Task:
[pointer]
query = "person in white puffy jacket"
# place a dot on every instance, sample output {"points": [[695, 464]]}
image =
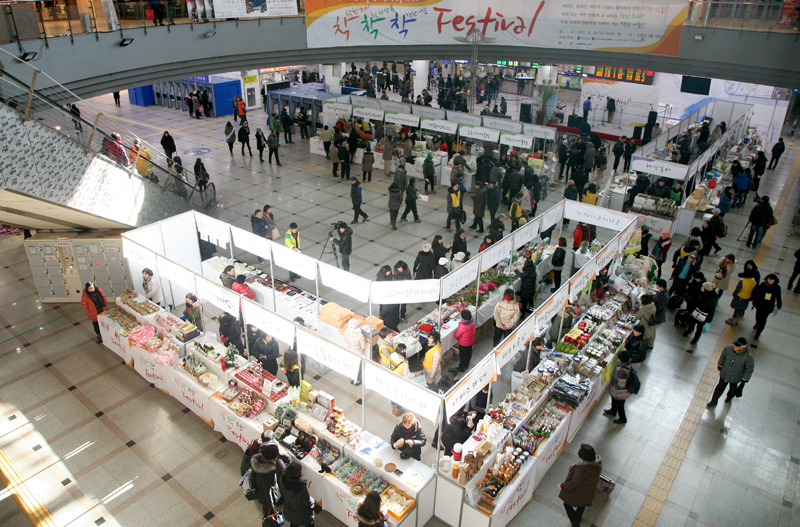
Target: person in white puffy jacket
{"points": [[355, 342]]}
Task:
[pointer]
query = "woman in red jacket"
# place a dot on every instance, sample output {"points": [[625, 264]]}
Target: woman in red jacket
{"points": [[465, 335], [94, 303], [242, 288]]}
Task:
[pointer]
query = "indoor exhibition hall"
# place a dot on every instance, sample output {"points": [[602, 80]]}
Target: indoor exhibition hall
{"points": [[399, 264]]}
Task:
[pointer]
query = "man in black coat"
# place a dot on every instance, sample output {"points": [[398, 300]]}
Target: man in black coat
{"points": [[493, 200], [777, 152], [528, 285], [760, 220], [618, 151], [630, 148], [570, 193], [478, 205], [344, 243], [563, 159]]}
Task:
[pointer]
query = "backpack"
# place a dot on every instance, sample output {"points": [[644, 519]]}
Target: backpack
{"points": [[248, 485], [634, 384]]}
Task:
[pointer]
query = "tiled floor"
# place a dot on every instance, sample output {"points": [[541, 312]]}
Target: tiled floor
{"points": [[96, 444]]}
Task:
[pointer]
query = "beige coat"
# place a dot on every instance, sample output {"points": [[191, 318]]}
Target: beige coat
{"points": [[647, 314], [506, 313], [723, 283]]}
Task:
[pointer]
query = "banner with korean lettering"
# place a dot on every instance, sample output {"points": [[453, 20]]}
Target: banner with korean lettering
{"points": [[334, 357], [344, 281], [396, 107], [497, 252], [553, 215], [516, 140], [267, 321], [608, 253], [457, 280], [625, 237], [479, 133], [597, 216], [622, 25], [406, 393], [254, 244], [581, 279], [402, 119], [290, 259], [549, 309], [406, 292], [175, 273], [526, 233], [223, 298], [463, 118], [504, 125], [481, 375], [212, 230], [438, 125], [659, 168], [515, 343], [253, 8], [539, 131], [430, 113], [362, 112]]}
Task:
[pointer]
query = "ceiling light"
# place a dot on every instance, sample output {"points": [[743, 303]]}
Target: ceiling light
{"points": [[125, 42]]}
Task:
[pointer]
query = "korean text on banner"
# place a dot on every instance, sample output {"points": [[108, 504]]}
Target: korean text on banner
{"points": [[175, 273], [337, 109], [496, 253], [403, 119], [625, 237], [549, 309], [406, 393], [608, 253], [396, 107], [223, 298], [552, 216], [368, 113], [299, 263], [438, 125], [480, 133], [502, 124], [132, 251], [539, 132], [460, 278], [365, 102], [345, 282], [334, 23], [526, 233], [405, 292], [515, 343], [481, 375], [431, 113], [582, 278], [212, 230], [336, 358], [659, 168], [247, 241], [463, 118], [598, 216], [268, 321], [516, 140]]}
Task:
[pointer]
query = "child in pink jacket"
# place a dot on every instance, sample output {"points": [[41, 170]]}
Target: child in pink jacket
{"points": [[465, 335]]}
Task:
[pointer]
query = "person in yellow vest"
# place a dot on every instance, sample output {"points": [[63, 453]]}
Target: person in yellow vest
{"points": [[432, 362], [454, 206], [591, 195], [385, 347], [741, 296], [515, 211], [292, 241]]}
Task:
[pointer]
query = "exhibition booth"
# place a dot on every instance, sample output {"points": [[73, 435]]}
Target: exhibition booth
{"points": [[512, 447]]}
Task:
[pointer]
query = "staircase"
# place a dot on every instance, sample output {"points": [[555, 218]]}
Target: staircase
{"points": [[75, 168]]}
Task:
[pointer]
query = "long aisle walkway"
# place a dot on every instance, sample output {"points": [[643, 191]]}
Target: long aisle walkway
{"points": [[89, 442]]}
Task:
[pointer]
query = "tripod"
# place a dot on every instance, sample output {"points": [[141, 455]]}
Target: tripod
{"points": [[740, 235], [332, 249]]}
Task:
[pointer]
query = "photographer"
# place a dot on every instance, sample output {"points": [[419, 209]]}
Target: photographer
{"points": [[344, 243]]}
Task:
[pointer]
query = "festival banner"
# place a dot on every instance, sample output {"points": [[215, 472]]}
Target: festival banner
{"points": [[622, 25], [253, 8]]}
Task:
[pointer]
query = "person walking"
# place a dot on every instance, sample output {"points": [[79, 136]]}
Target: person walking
{"points": [[722, 276], [333, 152], [766, 297], [93, 302], [493, 199], [287, 123], [168, 144], [478, 206], [344, 160], [705, 305], [777, 151], [356, 199], [759, 167], [242, 108], [430, 175], [761, 218], [244, 137], [454, 207], [298, 505], [795, 273], [618, 151], [661, 250], [506, 316], [366, 164], [395, 200], [326, 136], [273, 142], [261, 143], [388, 155], [630, 148], [117, 100], [577, 491], [230, 136], [741, 296], [411, 201], [619, 388], [259, 226], [292, 240], [741, 184], [735, 365]]}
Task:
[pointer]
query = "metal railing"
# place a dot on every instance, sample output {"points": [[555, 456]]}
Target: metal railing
{"points": [[32, 20], [766, 15], [38, 97]]}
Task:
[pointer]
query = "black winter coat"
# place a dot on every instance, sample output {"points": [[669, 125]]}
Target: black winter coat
{"points": [[528, 280], [345, 241], [459, 246], [637, 347], [267, 475], [267, 353], [759, 298], [417, 437], [423, 265], [298, 505], [761, 215], [707, 303], [479, 201], [456, 431], [493, 198], [571, 192], [232, 333]]}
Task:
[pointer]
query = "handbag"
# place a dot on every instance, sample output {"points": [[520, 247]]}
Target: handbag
{"points": [[275, 233], [273, 520], [699, 315], [720, 274]]}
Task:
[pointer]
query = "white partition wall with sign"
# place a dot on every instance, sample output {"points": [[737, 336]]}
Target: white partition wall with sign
{"points": [[330, 362]]}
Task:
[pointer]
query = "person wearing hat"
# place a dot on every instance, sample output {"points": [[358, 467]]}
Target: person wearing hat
{"points": [[619, 388], [735, 367], [268, 467], [705, 305], [765, 298], [457, 261], [424, 263], [441, 269], [356, 200], [577, 491], [685, 268], [344, 243]]}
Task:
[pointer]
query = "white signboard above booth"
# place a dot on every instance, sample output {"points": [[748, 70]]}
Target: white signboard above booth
{"points": [[335, 110], [403, 119], [345, 282], [505, 125], [335, 357], [223, 298], [659, 168], [360, 100], [396, 107], [405, 292], [268, 321], [478, 132], [437, 125], [362, 112], [414, 397], [175, 273], [457, 280], [212, 230], [464, 118], [516, 140], [539, 132], [427, 111], [495, 253], [298, 263], [597, 216], [247, 241]]}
